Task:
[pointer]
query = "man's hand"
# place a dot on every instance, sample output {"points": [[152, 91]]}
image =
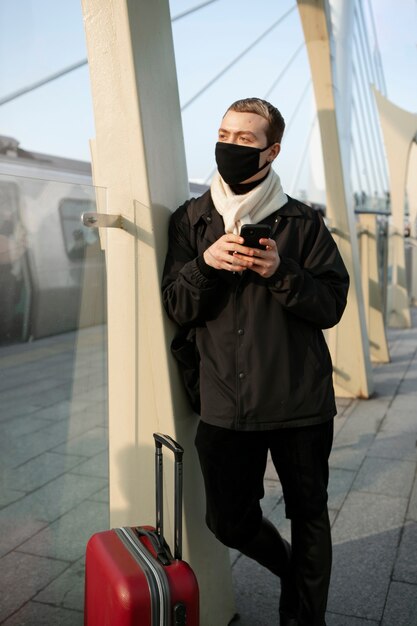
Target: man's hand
{"points": [[263, 262], [221, 254], [228, 253]]}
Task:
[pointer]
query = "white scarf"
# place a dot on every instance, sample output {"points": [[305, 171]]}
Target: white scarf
{"points": [[249, 208]]}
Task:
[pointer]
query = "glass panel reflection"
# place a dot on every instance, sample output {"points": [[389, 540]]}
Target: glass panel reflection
{"points": [[53, 395], [77, 239]]}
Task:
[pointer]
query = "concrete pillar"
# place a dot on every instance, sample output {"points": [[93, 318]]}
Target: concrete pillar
{"points": [[348, 342], [412, 205], [138, 155], [371, 288], [399, 128]]}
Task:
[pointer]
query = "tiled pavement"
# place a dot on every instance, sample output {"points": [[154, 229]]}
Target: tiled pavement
{"points": [[53, 474], [53, 490]]}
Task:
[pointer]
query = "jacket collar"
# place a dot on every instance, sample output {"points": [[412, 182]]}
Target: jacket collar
{"points": [[203, 207]]}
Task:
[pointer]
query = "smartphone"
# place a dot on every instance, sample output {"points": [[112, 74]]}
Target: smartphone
{"points": [[252, 233]]}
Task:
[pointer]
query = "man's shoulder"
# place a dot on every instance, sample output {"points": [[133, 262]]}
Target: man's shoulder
{"points": [[296, 208], [194, 208]]}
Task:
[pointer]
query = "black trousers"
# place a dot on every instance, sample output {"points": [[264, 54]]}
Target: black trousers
{"points": [[233, 464]]}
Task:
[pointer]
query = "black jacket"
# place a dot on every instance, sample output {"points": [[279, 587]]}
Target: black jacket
{"points": [[264, 361]]}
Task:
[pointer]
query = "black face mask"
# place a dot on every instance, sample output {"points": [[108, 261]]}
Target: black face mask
{"points": [[238, 163]]}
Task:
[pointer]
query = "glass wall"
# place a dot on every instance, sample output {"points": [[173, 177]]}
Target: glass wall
{"points": [[53, 396]]}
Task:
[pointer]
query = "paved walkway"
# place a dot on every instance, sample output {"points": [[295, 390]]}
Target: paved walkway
{"points": [[54, 474], [53, 490]]}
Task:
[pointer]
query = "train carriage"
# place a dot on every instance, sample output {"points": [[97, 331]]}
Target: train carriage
{"points": [[46, 254]]}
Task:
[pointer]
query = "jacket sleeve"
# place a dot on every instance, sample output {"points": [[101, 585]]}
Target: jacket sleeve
{"points": [[188, 283], [317, 289]]}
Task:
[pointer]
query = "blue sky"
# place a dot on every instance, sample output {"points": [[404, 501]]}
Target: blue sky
{"points": [[39, 37]]}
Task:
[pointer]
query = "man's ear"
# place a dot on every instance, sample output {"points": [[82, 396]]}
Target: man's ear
{"points": [[274, 152]]}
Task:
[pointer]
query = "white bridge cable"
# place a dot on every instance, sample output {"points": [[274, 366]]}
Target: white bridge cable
{"points": [[362, 29], [193, 10], [364, 95], [358, 187], [297, 107], [303, 157], [359, 141], [237, 59], [379, 70], [361, 146], [78, 64], [284, 71], [363, 132], [42, 82], [371, 78]]}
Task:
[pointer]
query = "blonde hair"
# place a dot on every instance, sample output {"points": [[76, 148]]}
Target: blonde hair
{"points": [[276, 123]]}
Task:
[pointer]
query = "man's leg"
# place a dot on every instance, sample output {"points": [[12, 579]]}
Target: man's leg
{"points": [[233, 465], [300, 456], [272, 551], [312, 557]]}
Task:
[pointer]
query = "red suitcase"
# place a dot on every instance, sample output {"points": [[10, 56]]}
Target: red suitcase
{"points": [[131, 577]]}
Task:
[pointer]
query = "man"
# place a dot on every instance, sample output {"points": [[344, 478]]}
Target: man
{"points": [[265, 371]]}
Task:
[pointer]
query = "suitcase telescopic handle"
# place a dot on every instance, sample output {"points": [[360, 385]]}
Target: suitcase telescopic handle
{"points": [[160, 441]]}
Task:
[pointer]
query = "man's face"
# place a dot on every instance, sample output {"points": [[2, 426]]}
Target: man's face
{"points": [[248, 129], [245, 129]]}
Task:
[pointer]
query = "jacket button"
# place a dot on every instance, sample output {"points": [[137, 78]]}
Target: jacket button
{"points": [[209, 219], [240, 331], [241, 375]]}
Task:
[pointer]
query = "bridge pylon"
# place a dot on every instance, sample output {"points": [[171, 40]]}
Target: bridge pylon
{"points": [[348, 342], [399, 128]]}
